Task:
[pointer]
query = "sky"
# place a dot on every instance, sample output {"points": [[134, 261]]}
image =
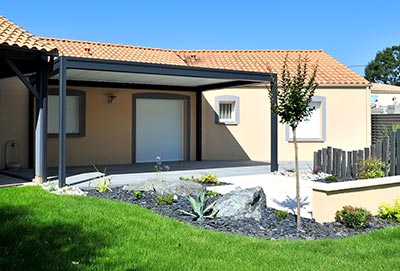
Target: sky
{"points": [[351, 31]]}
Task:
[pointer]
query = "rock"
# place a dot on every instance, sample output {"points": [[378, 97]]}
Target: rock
{"points": [[241, 204], [175, 187]]}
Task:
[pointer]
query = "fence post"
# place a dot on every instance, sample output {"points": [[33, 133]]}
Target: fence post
{"points": [[338, 171], [366, 153], [355, 164], [329, 162], [392, 153], [343, 171], [379, 150], [373, 151], [324, 160], [349, 165], [385, 142], [398, 152]]}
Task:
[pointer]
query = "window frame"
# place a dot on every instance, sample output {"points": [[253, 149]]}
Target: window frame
{"points": [[227, 99], [322, 133], [82, 111]]}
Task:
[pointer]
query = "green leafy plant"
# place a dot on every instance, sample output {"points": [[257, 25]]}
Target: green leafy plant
{"points": [[290, 170], [138, 194], [210, 178], [371, 168], [390, 212], [281, 215], [199, 208], [290, 100], [332, 179], [102, 182], [165, 200], [353, 217], [211, 194]]}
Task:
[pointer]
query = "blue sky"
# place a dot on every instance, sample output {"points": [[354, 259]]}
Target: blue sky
{"points": [[351, 31]]}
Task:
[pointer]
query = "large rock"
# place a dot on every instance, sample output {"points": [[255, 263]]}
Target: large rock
{"points": [[244, 203], [175, 187]]}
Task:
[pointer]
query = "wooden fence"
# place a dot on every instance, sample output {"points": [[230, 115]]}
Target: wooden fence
{"points": [[344, 164]]}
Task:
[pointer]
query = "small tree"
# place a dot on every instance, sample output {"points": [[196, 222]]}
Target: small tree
{"points": [[294, 95]]}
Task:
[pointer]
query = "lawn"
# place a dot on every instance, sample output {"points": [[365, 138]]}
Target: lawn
{"points": [[42, 231]]}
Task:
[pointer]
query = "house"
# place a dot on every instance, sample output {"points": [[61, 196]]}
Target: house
{"points": [[124, 104], [385, 112]]}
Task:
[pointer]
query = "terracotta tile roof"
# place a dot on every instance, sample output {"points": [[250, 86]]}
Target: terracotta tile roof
{"points": [[15, 36], [383, 87], [97, 50], [330, 71]]}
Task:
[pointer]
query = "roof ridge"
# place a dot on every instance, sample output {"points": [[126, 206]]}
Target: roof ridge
{"points": [[104, 44], [248, 50]]}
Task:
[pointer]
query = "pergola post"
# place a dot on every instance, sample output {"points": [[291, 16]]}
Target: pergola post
{"points": [[41, 124], [62, 128], [199, 126], [274, 130]]}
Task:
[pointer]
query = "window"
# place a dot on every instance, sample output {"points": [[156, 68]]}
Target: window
{"points": [[75, 111], [227, 109], [313, 129]]}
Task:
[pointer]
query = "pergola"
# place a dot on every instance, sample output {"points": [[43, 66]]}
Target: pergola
{"points": [[34, 58], [135, 75]]}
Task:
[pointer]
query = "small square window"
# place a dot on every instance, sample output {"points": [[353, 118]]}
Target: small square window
{"points": [[227, 109]]}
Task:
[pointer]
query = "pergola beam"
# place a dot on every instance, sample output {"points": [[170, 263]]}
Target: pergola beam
{"points": [[21, 77]]}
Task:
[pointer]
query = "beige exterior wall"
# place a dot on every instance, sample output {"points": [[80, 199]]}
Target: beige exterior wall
{"points": [[369, 194], [108, 137], [14, 118], [347, 125], [109, 127]]}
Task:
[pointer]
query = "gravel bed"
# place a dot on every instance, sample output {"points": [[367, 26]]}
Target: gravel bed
{"points": [[268, 227]]}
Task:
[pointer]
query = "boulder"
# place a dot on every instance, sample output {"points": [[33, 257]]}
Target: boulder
{"points": [[175, 187], [243, 203]]}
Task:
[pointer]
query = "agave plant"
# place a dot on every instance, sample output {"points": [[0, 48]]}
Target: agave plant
{"points": [[199, 208]]}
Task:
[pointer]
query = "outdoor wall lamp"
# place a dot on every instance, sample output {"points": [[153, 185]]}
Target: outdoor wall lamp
{"points": [[111, 99]]}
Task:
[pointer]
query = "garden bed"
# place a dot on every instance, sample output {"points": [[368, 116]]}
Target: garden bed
{"points": [[268, 228]]}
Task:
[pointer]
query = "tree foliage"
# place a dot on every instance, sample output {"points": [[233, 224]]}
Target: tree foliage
{"points": [[293, 98], [295, 93], [385, 68]]}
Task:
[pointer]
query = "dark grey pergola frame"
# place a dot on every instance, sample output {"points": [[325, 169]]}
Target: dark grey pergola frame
{"points": [[19, 61], [236, 78]]}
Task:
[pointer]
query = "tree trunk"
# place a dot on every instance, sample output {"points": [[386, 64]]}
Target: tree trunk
{"points": [[296, 163]]}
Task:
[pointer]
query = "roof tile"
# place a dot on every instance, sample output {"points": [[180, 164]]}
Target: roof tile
{"points": [[15, 36]]}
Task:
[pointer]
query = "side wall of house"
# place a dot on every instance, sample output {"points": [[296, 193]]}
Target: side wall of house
{"points": [[108, 138], [347, 125], [14, 118]]}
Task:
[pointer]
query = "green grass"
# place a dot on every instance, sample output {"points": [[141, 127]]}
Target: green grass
{"points": [[42, 231]]}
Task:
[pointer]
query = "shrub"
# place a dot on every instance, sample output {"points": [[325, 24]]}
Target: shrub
{"points": [[391, 212], [165, 200], [281, 215], [332, 179], [353, 217], [211, 194], [371, 168], [210, 178], [102, 182], [138, 194], [199, 208], [290, 170]]}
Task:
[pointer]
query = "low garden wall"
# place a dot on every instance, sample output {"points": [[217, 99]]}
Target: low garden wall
{"points": [[369, 194]]}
